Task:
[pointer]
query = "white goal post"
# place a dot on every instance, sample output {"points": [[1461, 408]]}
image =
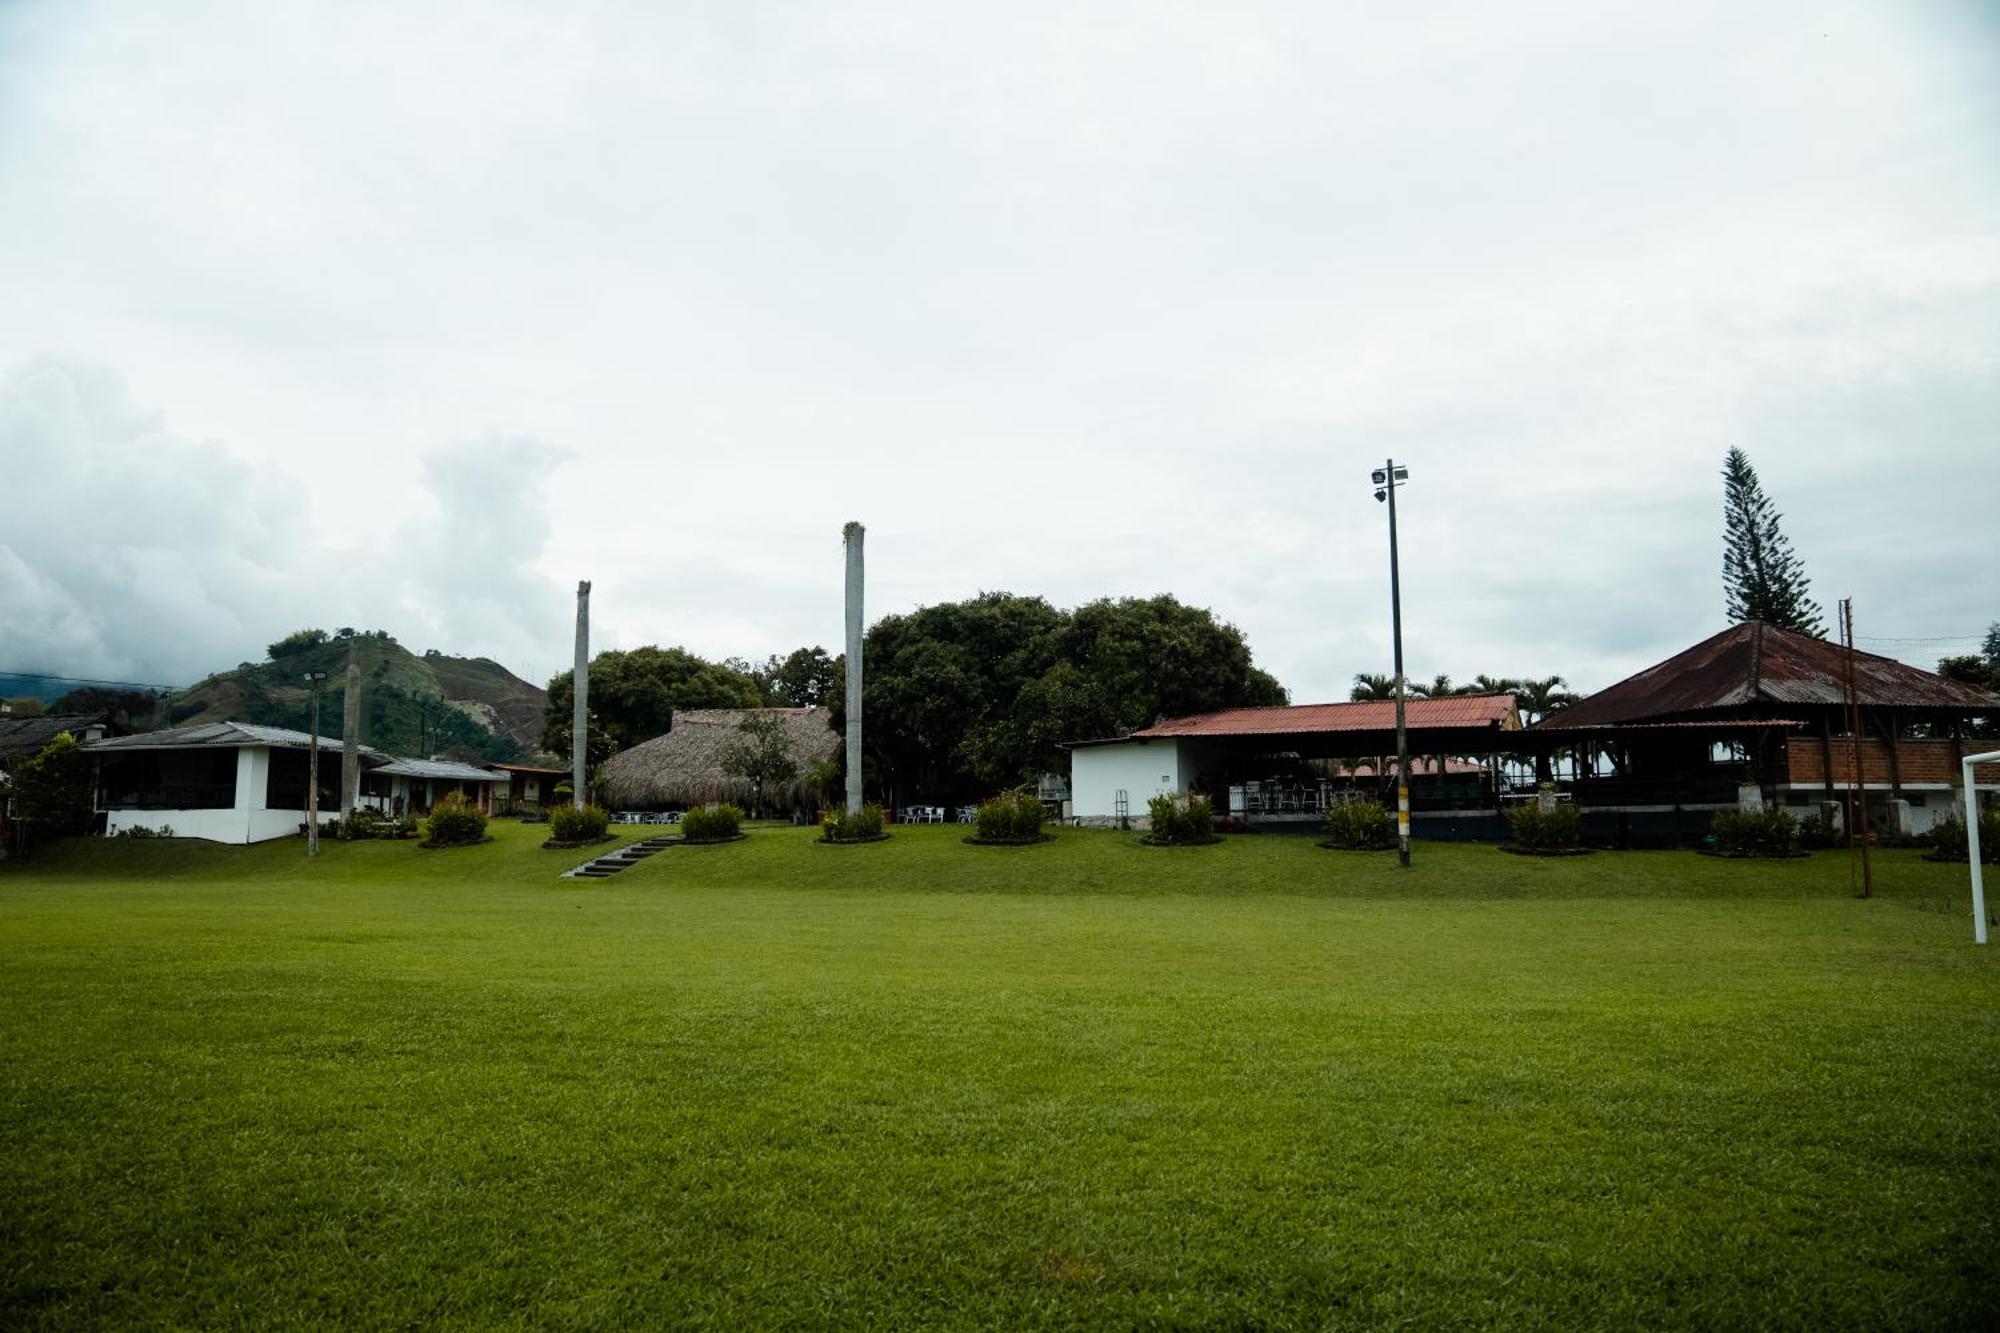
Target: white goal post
{"points": [[1972, 843]]}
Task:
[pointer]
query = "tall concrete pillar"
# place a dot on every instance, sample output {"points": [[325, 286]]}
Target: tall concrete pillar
{"points": [[579, 736], [350, 739], [853, 533]]}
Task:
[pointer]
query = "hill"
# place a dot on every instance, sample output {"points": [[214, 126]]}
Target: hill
{"points": [[464, 707]]}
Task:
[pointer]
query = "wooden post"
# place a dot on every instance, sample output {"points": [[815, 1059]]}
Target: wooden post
{"points": [[350, 739], [579, 736], [852, 534]]}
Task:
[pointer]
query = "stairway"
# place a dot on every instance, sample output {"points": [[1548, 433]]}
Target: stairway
{"points": [[609, 864]]}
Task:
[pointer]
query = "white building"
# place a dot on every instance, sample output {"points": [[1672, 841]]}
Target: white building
{"points": [[234, 782], [413, 786]]}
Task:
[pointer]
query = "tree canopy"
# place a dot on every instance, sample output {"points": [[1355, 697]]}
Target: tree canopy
{"points": [[1761, 578], [634, 695], [968, 696]]}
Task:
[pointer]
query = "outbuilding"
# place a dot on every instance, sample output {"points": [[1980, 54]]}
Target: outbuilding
{"points": [[235, 782]]}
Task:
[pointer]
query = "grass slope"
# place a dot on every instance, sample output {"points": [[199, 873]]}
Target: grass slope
{"points": [[1083, 1084]]}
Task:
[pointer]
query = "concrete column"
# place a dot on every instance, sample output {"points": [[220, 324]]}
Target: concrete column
{"points": [[853, 534], [350, 739], [579, 737]]}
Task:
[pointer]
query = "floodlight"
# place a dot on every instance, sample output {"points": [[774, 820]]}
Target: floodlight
{"points": [[1381, 495], [1378, 476]]}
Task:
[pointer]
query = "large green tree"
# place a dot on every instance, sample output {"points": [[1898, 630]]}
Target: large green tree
{"points": [[968, 696], [1761, 578], [634, 695], [52, 791]]}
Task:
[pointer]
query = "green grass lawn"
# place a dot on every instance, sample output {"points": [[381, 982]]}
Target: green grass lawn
{"points": [[1082, 1084]]}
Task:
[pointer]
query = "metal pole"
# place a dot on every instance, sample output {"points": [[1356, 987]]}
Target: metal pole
{"points": [[1402, 735], [1972, 845], [312, 780], [579, 733], [852, 536], [1860, 806]]}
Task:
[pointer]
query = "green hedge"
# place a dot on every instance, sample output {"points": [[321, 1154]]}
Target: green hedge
{"points": [[1012, 816], [1181, 821], [1770, 832], [863, 825], [569, 824], [1950, 840], [1556, 829], [454, 822], [712, 823], [1359, 825]]}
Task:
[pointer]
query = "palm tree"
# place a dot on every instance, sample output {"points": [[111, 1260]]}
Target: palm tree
{"points": [[1485, 684], [1538, 699], [1372, 687], [1439, 687]]}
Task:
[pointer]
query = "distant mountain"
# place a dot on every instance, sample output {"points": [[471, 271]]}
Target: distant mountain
{"points": [[462, 707]]}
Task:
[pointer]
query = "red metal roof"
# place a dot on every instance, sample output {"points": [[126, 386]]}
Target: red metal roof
{"points": [[1456, 712], [1753, 665]]}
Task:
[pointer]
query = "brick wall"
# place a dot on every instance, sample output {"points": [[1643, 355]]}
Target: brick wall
{"points": [[1919, 761]]}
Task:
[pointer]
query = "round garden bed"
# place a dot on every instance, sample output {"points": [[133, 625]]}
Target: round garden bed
{"points": [[705, 842], [852, 842], [1518, 850], [553, 845], [430, 846], [976, 841], [1796, 854], [1209, 841], [1343, 847]]}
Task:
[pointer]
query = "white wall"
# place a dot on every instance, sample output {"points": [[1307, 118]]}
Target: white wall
{"points": [[1143, 769], [248, 822]]}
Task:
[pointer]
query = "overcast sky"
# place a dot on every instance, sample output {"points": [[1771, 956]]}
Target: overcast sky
{"points": [[409, 316]]}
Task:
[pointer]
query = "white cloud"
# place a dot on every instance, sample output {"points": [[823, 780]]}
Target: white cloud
{"points": [[1115, 300]]}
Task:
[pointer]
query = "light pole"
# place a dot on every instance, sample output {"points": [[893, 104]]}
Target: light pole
{"points": [[1387, 478], [315, 679]]}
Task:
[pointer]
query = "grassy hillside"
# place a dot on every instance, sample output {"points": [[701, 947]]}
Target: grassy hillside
{"points": [[466, 707]]}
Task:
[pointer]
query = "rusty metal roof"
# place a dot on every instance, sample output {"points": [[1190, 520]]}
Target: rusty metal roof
{"points": [[1751, 666], [1456, 712]]}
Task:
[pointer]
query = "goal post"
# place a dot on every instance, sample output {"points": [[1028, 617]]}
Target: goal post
{"points": [[1972, 843]]}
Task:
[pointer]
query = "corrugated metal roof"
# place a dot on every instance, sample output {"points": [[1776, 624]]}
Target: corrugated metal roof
{"points": [[223, 735], [1751, 665], [443, 769], [23, 737], [1453, 712], [1557, 724]]}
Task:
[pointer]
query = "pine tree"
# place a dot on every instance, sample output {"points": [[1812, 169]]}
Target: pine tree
{"points": [[1761, 578]]}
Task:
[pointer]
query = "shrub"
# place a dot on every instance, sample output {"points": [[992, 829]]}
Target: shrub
{"points": [[1359, 826], [141, 831], [1181, 821], [454, 822], [712, 823], [362, 822], [1759, 832], [1950, 840], [1012, 816], [1819, 829], [861, 826], [569, 824], [1556, 829]]}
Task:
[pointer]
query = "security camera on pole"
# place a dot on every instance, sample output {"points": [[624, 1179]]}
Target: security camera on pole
{"points": [[1387, 478]]}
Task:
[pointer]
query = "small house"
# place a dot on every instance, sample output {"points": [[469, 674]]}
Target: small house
{"points": [[235, 782]]}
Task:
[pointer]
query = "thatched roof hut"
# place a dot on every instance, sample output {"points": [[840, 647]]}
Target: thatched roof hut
{"points": [[684, 767]]}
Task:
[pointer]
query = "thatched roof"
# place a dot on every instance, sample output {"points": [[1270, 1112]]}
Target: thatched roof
{"points": [[684, 767]]}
